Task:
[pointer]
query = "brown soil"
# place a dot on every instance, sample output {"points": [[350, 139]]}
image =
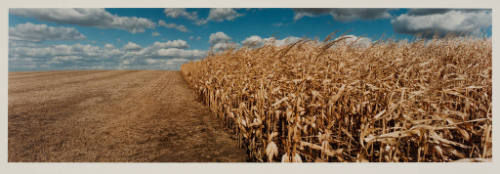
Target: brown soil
{"points": [[112, 116]]}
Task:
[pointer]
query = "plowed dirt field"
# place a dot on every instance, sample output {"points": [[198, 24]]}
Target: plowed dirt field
{"points": [[112, 116]]}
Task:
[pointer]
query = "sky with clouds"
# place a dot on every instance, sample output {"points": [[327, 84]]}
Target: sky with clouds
{"points": [[86, 39]]}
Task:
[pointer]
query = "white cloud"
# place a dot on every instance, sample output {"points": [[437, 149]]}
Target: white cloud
{"points": [[432, 23], [173, 64], [109, 46], [164, 58], [167, 55], [171, 44], [95, 17], [429, 11], [62, 56], [181, 27], [218, 37], [284, 41], [131, 46], [62, 52], [41, 32], [225, 46], [343, 14], [180, 12], [154, 34], [253, 41], [215, 14], [219, 41], [176, 52], [221, 14], [20, 43], [257, 41], [62, 59]]}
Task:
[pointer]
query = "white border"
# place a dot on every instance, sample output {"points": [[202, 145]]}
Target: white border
{"points": [[241, 167]]}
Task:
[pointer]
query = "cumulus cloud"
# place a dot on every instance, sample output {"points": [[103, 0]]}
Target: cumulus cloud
{"points": [[179, 27], [167, 55], [109, 46], [131, 46], [215, 14], [253, 42], [154, 34], [221, 14], [153, 51], [441, 22], [257, 41], [42, 32], [56, 50], [94, 17], [171, 44], [429, 11], [83, 56], [173, 63], [220, 41], [225, 46], [218, 37], [180, 12], [176, 52], [343, 14], [159, 55]]}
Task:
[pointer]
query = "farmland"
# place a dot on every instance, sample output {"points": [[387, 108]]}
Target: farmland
{"points": [[333, 101], [309, 101], [112, 116]]}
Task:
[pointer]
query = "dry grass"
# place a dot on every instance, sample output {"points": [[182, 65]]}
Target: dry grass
{"points": [[391, 102]]}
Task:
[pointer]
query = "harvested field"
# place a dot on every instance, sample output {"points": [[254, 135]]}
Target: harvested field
{"points": [[425, 101], [112, 116]]}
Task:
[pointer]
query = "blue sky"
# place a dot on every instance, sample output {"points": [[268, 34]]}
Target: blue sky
{"points": [[125, 38]]}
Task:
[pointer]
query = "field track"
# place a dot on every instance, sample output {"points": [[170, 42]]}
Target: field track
{"points": [[112, 116]]}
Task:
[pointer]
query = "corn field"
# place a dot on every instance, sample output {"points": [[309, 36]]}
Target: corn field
{"points": [[332, 101]]}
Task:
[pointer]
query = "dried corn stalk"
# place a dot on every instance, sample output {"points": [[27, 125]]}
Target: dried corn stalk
{"points": [[393, 101]]}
